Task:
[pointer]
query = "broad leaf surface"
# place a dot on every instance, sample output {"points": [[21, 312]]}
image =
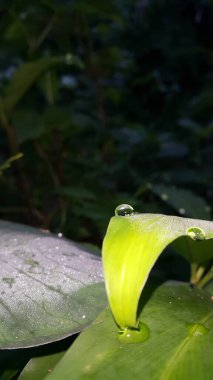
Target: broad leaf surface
{"points": [[39, 367], [131, 247], [171, 353], [50, 287], [209, 288]]}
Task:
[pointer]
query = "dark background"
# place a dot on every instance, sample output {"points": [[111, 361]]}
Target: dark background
{"points": [[109, 102]]}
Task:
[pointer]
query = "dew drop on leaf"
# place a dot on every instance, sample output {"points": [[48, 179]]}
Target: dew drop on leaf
{"points": [[196, 329], [124, 210], [134, 335], [196, 233]]}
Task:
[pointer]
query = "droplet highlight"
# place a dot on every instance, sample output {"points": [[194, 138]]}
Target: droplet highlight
{"points": [[196, 233], [182, 211], [196, 329], [164, 196], [134, 335], [124, 210]]}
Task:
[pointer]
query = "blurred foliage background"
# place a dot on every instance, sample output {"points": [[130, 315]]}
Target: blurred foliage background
{"points": [[104, 103]]}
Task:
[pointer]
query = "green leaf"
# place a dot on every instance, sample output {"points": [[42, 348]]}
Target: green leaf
{"points": [[39, 367], [185, 202], [179, 347], [28, 125], [6, 165], [23, 78], [50, 287], [131, 247], [209, 287]]}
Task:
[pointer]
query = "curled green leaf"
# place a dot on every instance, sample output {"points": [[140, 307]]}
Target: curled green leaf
{"points": [[133, 243]]}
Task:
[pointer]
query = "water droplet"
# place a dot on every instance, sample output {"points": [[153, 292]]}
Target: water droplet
{"points": [[124, 210], [182, 211], [196, 329], [196, 233], [68, 58], [164, 196], [134, 335], [207, 208]]}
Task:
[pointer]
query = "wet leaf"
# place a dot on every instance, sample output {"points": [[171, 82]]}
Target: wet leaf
{"points": [[50, 287], [131, 247], [179, 347]]}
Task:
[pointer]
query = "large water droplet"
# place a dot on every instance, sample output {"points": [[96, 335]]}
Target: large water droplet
{"points": [[124, 210], [196, 233], [196, 329], [134, 335]]}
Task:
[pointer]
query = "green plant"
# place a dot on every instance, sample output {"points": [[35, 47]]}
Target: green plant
{"points": [[106, 106], [58, 288], [6, 165]]}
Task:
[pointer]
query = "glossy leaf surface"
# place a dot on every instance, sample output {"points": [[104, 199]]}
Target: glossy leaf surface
{"points": [[50, 287], [131, 247], [179, 347]]}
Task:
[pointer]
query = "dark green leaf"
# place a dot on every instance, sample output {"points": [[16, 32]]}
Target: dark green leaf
{"points": [[23, 78], [185, 202], [11, 362], [39, 367], [28, 125]]}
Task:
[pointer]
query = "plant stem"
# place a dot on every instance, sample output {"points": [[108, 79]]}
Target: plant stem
{"points": [[23, 185], [208, 277], [197, 272], [194, 267]]}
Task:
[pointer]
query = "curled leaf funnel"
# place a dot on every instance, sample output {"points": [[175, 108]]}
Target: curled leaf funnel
{"points": [[133, 243]]}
